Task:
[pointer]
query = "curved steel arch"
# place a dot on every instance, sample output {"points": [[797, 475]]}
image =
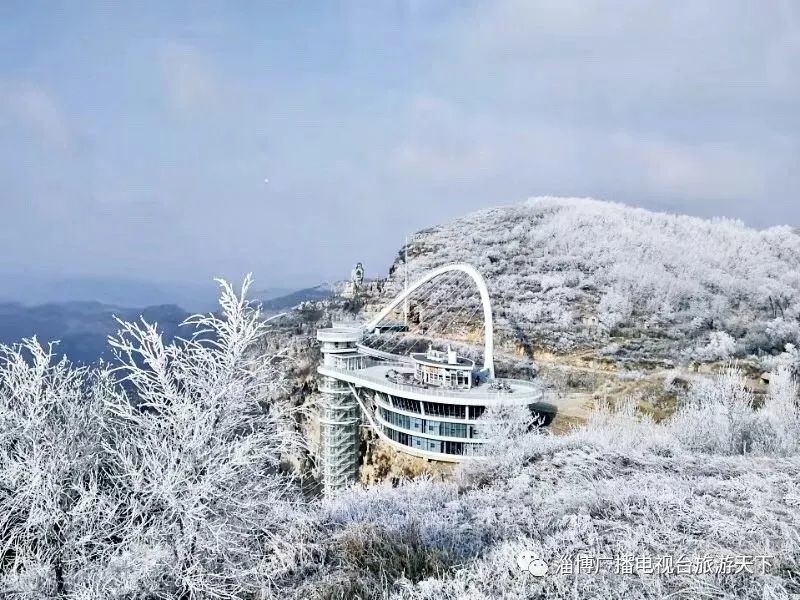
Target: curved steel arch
{"points": [[488, 327]]}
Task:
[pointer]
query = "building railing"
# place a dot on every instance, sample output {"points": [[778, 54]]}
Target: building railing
{"points": [[472, 394]]}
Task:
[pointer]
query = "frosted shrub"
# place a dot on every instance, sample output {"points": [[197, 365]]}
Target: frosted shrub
{"points": [[789, 359], [614, 309], [56, 514], [720, 346], [670, 378], [718, 415], [621, 428], [552, 281], [780, 416], [159, 479], [513, 432], [779, 332], [538, 311], [503, 426], [200, 450], [610, 349]]}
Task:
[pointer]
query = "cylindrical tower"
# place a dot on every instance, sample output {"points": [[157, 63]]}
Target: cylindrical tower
{"points": [[339, 413]]}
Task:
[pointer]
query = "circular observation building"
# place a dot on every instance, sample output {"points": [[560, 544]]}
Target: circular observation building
{"points": [[427, 405]]}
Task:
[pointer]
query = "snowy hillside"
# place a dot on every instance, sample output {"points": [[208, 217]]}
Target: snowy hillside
{"points": [[186, 494], [569, 273]]}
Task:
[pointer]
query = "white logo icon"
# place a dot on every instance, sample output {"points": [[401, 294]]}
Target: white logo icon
{"points": [[530, 561]]}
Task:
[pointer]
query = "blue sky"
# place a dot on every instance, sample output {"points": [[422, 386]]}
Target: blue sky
{"points": [[135, 140]]}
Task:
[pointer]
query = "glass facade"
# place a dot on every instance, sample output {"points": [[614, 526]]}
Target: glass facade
{"points": [[475, 412], [406, 404], [352, 361], [402, 421], [427, 445], [425, 427], [421, 443], [443, 428], [439, 409]]}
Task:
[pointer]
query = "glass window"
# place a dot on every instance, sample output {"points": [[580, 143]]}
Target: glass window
{"points": [[445, 410], [475, 412], [406, 404]]}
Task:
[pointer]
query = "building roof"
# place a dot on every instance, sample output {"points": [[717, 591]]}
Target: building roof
{"points": [[339, 334], [460, 364], [522, 392]]}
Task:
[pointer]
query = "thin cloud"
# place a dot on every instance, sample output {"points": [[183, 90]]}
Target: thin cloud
{"points": [[192, 86], [36, 111], [384, 120], [704, 171], [649, 100]]}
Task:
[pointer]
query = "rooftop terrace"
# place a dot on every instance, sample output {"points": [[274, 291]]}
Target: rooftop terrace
{"points": [[375, 377]]}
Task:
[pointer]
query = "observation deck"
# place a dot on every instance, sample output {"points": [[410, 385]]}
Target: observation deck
{"points": [[375, 377], [427, 404], [429, 408]]}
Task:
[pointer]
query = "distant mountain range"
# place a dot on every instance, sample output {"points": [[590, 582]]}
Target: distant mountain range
{"points": [[36, 288], [320, 292], [81, 328]]}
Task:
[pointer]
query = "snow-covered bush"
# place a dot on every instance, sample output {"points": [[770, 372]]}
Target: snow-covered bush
{"points": [[720, 346], [614, 309], [621, 428], [57, 512], [160, 478], [718, 415], [200, 449], [780, 416], [789, 359], [780, 332], [504, 425]]}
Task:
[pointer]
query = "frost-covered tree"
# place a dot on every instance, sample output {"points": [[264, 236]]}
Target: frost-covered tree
{"points": [[780, 416], [502, 425], [720, 346], [197, 443], [58, 508], [789, 359], [718, 415], [614, 309], [160, 478]]}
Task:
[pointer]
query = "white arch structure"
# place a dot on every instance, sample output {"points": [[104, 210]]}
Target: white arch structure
{"points": [[488, 327]]}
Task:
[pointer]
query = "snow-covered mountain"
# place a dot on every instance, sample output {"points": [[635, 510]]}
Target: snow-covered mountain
{"points": [[571, 273]]}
